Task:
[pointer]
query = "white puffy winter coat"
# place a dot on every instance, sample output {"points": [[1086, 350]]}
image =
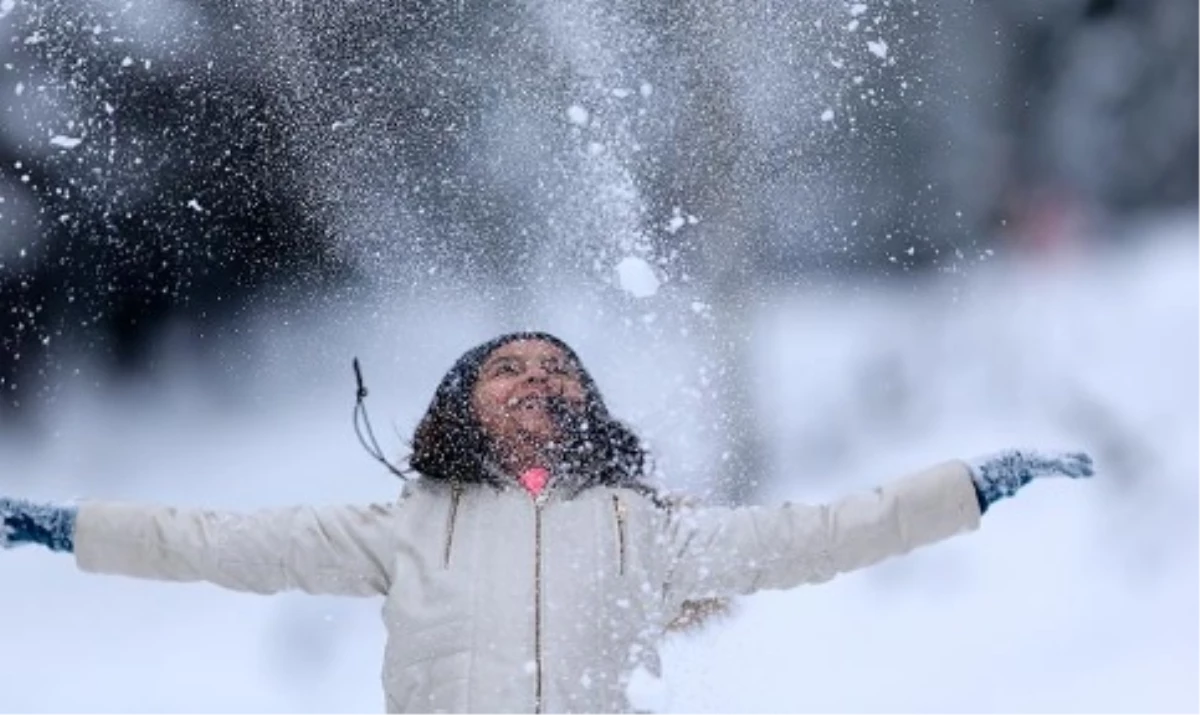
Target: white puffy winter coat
{"points": [[496, 602]]}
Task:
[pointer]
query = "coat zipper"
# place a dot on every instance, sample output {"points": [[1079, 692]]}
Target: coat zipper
{"points": [[619, 514], [537, 603], [455, 494]]}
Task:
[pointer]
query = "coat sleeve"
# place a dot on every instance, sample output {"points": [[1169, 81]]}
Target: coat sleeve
{"points": [[720, 552], [330, 550]]}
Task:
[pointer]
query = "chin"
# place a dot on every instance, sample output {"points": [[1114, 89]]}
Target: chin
{"points": [[540, 431]]}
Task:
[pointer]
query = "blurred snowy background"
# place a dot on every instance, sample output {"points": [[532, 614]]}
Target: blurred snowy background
{"points": [[804, 246]]}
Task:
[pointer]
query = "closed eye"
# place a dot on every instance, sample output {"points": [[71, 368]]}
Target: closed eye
{"points": [[505, 368], [556, 367]]}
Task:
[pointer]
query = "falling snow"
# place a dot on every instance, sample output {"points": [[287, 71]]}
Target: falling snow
{"points": [[205, 211], [65, 142]]}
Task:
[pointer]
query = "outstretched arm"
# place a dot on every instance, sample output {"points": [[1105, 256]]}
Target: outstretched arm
{"points": [[722, 551], [332, 550]]}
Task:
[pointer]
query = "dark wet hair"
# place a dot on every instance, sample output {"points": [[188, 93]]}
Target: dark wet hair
{"points": [[450, 444]]}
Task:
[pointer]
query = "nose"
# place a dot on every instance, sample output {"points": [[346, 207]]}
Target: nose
{"points": [[537, 373]]}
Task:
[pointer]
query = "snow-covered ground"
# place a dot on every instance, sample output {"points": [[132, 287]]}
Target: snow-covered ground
{"points": [[1078, 597], [1072, 597]]}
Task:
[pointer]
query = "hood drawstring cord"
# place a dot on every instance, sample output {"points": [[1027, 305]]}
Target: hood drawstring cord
{"points": [[360, 412]]}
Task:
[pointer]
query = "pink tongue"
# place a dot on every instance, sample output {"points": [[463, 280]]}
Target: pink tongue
{"points": [[534, 479]]}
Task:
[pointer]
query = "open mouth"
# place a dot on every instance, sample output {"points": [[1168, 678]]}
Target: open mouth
{"points": [[530, 402]]}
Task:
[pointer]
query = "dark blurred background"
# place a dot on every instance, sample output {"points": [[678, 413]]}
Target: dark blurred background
{"points": [[178, 163]]}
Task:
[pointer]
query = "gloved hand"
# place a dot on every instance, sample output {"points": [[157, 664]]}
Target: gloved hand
{"points": [[23, 522], [1000, 475]]}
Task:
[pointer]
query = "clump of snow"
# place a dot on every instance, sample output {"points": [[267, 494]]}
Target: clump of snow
{"points": [[577, 115], [678, 220], [879, 48], [636, 277], [65, 142]]}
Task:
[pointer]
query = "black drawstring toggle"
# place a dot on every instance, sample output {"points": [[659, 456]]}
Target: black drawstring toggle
{"points": [[366, 436], [362, 389]]}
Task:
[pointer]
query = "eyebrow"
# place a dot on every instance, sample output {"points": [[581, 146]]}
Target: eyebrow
{"points": [[496, 359], [552, 359]]}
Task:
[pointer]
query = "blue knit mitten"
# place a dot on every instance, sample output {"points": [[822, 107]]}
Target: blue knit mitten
{"points": [[23, 522], [1000, 475]]}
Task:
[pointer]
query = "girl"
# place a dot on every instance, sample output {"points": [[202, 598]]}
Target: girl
{"points": [[529, 567]]}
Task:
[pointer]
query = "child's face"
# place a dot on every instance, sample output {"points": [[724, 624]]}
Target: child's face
{"points": [[514, 386]]}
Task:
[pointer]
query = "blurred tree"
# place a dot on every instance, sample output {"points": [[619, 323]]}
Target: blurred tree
{"points": [[162, 189], [1097, 100]]}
